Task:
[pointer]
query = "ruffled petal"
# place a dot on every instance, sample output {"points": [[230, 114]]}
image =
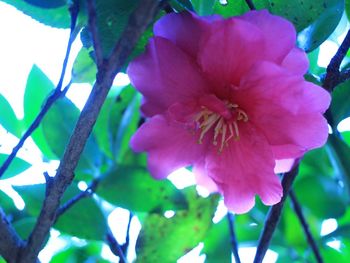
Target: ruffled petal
{"points": [[169, 146], [228, 52], [279, 33], [287, 109], [184, 30], [284, 165], [164, 74], [244, 169], [296, 61], [202, 177]]}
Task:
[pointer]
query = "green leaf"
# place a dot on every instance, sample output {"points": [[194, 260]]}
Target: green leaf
{"points": [[203, 7], [317, 32], [130, 186], [341, 231], [89, 253], [83, 220], [184, 3], [24, 226], [55, 17], [58, 125], [8, 118], [37, 90], [333, 255], [340, 106], [170, 238], [47, 3], [217, 243], [315, 190], [84, 68], [7, 204], [17, 166], [339, 153], [112, 17]]}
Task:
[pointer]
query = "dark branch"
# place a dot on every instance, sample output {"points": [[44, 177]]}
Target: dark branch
{"points": [[9, 240], [58, 92], [250, 4], [115, 247], [333, 75], [274, 215], [138, 22], [234, 243], [94, 32], [310, 239]]}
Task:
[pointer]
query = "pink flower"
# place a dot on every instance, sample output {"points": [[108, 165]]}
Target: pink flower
{"points": [[227, 97]]}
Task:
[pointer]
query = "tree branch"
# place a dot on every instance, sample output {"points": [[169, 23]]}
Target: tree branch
{"points": [[138, 22], [58, 92], [9, 240], [274, 215], [333, 75], [234, 243], [310, 239], [115, 247], [250, 4]]}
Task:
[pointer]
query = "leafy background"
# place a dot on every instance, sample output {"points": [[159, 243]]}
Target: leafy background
{"points": [[173, 221]]}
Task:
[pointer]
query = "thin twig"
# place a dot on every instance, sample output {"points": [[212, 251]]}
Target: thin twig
{"points": [[234, 243], [58, 92], [138, 22], [10, 242], [333, 75], [115, 247], [250, 4], [94, 32], [88, 192], [274, 215], [304, 224]]}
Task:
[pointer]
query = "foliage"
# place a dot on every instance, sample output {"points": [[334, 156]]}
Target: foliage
{"points": [[121, 177]]}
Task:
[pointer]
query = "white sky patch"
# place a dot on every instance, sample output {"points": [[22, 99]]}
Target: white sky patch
{"points": [[182, 178], [247, 255], [327, 51]]}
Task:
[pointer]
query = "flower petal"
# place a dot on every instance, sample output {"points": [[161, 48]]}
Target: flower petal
{"points": [[202, 177], [164, 75], [184, 30], [243, 169], [284, 165], [229, 51], [296, 61], [279, 33], [169, 146], [287, 109]]}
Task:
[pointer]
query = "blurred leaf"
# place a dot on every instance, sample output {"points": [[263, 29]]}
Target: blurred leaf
{"points": [[55, 17], [37, 90], [347, 8], [333, 255], [217, 243], [83, 220], [203, 7], [84, 68], [340, 106], [186, 4], [24, 226], [341, 231], [130, 186], [89, 253], [170, 238], [7, 204], [8, 118], [312, 191], [17, 166], [339, 153], [127, 127], [109, 119], [47, 3], [112, 17], [58, 126]]}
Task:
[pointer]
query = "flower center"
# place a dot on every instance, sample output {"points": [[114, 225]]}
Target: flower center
{"points": [[225, 127]]}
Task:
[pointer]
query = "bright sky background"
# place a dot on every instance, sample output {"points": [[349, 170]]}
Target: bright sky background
{"points": [[25, 42]]}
